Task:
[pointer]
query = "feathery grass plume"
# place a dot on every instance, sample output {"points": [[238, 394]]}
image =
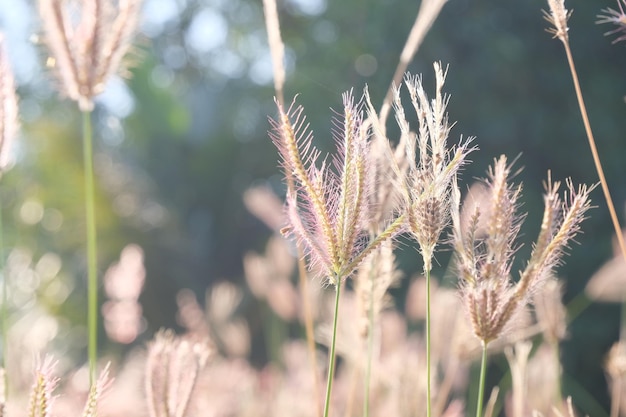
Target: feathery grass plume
{"points": [[328, 210], [172, 369], [41, 392], [429, 180], [484, 260], [558, 17], [88, 41], [96, 393], [617, 18]]}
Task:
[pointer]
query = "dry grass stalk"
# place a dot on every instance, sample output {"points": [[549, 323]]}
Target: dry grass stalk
{"points": [[277, 47], [491, 404], [428, 12], [616, 369], [88, 49], [558, 17], [484, 261]]}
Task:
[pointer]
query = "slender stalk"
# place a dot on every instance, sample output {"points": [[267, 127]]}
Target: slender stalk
{"points": [[443, 391], [5, 311], [331, 359], [351, 395], [622, 327], [594, 150], [308, 318], [92, 277], [370, 349], [428, 12], [616, 393], [481, 383], [557, 359], [428, 403], [274, 331]]}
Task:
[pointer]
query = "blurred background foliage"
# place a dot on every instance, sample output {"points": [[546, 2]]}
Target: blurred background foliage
{"points": [[179, 143]]}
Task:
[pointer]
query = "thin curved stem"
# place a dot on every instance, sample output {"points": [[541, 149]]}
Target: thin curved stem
{"points": [[557, 360], [370, 349], [308, 319], [594, 150], [5, 313], [481, 383], [331, 359], [428, 396], [92, 277]]}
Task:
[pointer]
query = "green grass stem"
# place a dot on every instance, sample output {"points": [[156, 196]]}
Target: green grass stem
{"points": [[481, 382], [331, 359], [92, 276]]}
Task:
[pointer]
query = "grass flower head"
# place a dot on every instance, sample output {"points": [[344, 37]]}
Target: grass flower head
{"points": [[432, 166], [327, 209], [87, 41], [485, 256], [558, 17]]}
